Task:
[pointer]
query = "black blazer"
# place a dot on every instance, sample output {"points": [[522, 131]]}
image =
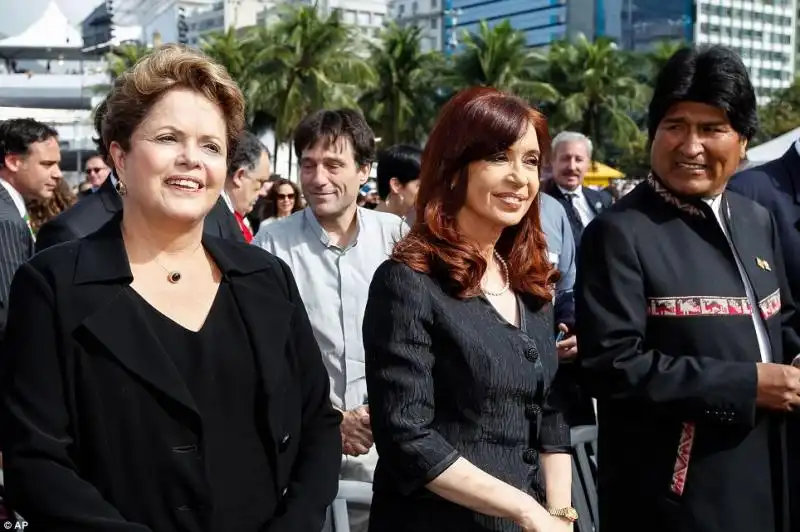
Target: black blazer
{"points": [[449, 378], [99, 432], [776, 186], [668, 347], [16, 246], [95, 210], [599, 200]]}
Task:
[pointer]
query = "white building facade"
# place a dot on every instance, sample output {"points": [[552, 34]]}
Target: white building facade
{"points": [[763, 32], [428, 16], [369, 15], [159, 17], [228, 14]]}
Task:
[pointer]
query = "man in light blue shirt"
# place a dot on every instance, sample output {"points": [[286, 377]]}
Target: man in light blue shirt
{"points": [[578, 406], [561, 252], [333, 248]]}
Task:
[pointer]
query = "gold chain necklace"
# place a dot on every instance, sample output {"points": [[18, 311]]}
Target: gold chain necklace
{"points": [[173, 276]]}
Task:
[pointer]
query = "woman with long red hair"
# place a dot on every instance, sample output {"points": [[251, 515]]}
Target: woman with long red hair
{"points": [[459, 338]]}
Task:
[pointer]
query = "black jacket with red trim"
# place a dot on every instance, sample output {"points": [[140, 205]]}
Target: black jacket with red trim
{"points": [[669, 348]]}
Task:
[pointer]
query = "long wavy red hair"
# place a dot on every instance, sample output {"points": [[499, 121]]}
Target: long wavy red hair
{"points": [[473, 125]]}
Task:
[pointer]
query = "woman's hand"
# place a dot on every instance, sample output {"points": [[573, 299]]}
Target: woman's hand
{"points": [[535, 518]]}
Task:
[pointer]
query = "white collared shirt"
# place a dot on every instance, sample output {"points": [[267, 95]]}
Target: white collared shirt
{"points": [[764, 346], [16, 197], [334, 285], [227, 199], [581, 204], [797, 145]]}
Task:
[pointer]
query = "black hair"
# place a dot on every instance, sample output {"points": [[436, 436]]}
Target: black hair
{"points": [[328, 126], [712, 75], [402, 161], [17, 135], [247, 153]]}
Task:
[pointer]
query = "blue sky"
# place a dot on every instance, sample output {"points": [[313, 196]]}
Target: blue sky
{"points": [[16, 15]]}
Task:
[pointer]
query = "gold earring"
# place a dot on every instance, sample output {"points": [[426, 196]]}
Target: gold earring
{"points": [[122, 189]]}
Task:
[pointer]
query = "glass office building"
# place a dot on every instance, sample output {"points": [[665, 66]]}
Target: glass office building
{"points": [[542, 21], [763, 32]]}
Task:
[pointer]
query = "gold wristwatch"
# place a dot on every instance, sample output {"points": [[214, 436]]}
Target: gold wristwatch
{"points": [[569, 513]]}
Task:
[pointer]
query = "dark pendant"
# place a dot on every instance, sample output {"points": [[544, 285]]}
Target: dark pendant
{"points": [[174, 277]]}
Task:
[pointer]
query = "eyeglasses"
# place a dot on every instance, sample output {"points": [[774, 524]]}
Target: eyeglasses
{"points": [[94, 170], [285, 196]]}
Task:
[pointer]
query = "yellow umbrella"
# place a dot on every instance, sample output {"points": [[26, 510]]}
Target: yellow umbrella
{"points": [[601, 174]]}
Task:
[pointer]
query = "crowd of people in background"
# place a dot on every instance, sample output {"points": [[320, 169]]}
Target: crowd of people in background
{"points": [[190, 342]]}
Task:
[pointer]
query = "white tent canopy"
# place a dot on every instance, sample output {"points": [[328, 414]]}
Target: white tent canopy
{"points": [[774, 148], [52, 31]]}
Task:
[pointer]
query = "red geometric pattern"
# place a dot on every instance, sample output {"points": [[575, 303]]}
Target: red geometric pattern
{"points": [[679, 307], [681, 467], [770, 305]]}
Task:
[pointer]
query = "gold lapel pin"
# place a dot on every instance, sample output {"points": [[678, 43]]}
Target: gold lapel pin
{"points": [[764, 265]]}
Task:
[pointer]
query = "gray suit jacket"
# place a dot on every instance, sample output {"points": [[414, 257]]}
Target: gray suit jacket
{"points": [[16, 247]]}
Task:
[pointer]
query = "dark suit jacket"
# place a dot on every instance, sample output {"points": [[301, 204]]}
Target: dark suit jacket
{"points": [[99, 430], [447, 378], [776, 186], [599, 200], [668, 347], [16, 246], [95, 210]]}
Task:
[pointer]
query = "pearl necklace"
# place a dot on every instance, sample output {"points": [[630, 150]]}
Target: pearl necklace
{"points": [[504, 268]]}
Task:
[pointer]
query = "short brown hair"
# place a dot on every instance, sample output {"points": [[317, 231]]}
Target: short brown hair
{"points": [[328, 126], [474, 124], [171, 66]]}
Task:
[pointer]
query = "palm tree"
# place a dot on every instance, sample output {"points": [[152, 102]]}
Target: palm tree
{"points": [[235, 52], [660, 54], [601, 97], [499, 57], [118, 60], [124, 57], [307, 62], [402, 104], [229, 50]]}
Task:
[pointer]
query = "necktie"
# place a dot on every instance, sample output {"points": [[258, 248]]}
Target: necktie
{"points": [[571, 197], [248, 234]]}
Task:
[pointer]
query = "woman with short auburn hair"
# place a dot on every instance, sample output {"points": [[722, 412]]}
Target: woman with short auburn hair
{"points": [[458, 335], [160, 379]]}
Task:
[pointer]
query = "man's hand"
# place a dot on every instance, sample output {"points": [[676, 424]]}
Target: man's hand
{"points": [[568, 347], [356, 431], [778, 387]]}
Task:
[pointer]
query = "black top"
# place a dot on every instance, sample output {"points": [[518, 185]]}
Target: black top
{"points": [[449, 378], [218, 367], [99, 430]]}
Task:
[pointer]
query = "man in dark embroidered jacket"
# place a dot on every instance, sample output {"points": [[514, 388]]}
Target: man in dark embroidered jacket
{"points": [[685, 323]]}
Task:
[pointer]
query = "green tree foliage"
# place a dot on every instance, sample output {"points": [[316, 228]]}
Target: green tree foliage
{"points": [[781, 114]]}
